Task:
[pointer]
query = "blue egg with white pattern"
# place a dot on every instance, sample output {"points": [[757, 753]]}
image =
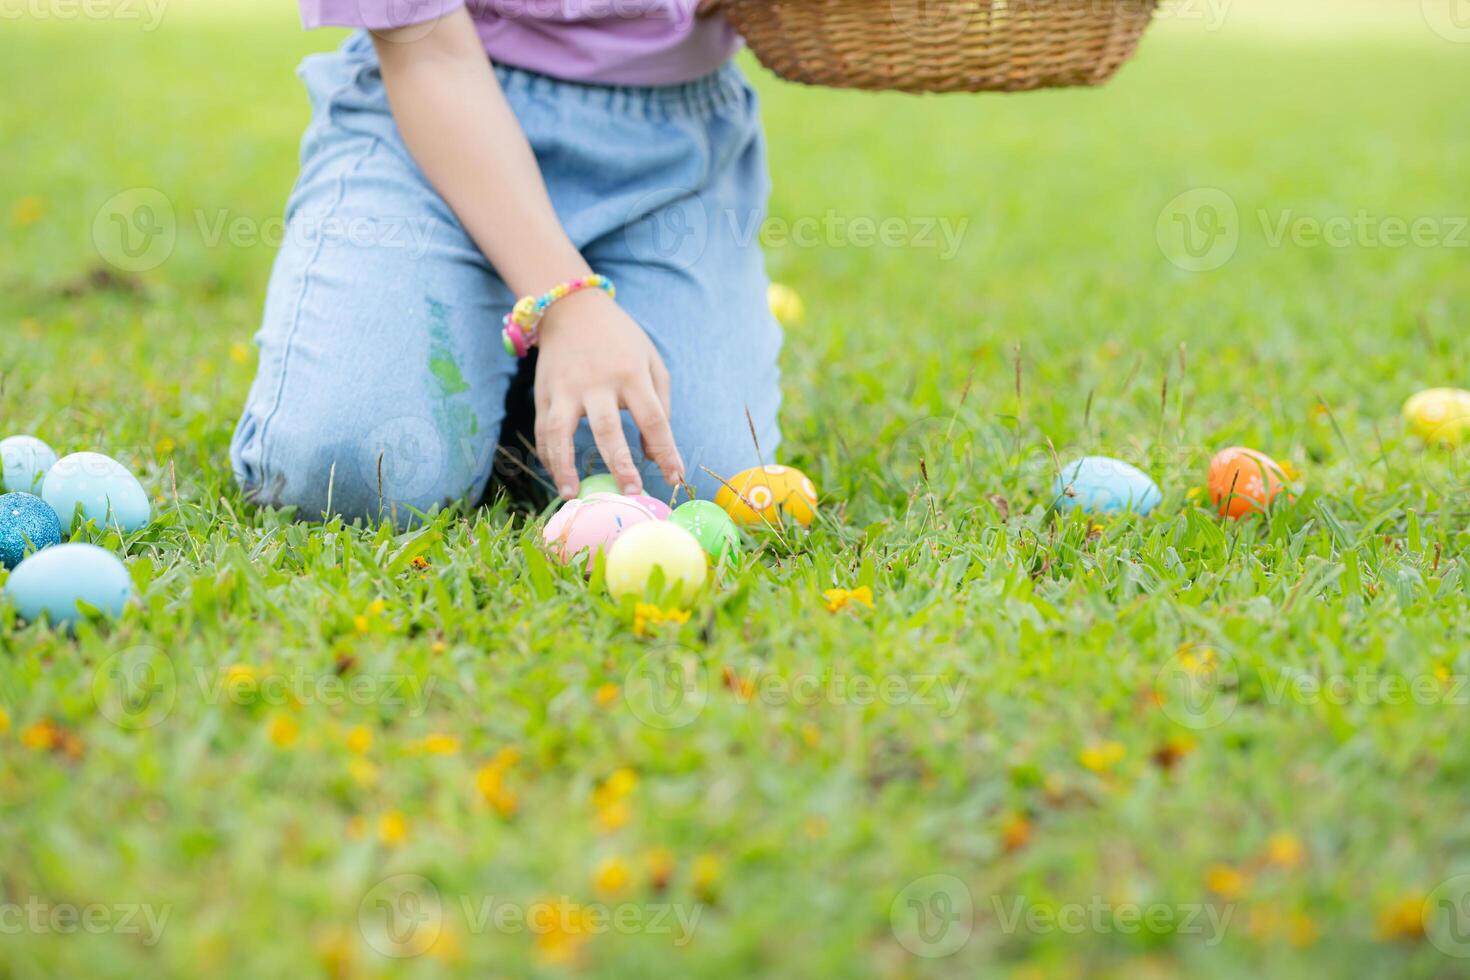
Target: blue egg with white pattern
{"points": [[1102, 485], [51, 583], [24, 461], [105, 490], [27, 524]]}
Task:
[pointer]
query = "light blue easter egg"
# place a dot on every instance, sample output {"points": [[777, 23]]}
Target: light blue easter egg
{"points": [[104, 488], [49, 583], [24, 461], [1101, 485]]}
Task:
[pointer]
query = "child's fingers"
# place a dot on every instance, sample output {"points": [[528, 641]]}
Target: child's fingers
{"points": [[607, 430], [661, 384], [554, 428], [658, 437]]}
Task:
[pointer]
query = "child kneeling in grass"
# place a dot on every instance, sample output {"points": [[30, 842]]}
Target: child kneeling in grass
{"points": [[461, 158]]}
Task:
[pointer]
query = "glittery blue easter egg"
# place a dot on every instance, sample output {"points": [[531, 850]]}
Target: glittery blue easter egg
{"points": [[27, 524], [50, 583], [104, 489], [24, 461], [1102, 485]]}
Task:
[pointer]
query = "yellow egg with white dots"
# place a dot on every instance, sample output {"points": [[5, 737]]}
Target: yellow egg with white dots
{"points": [[1439, 415], [767, 495]]}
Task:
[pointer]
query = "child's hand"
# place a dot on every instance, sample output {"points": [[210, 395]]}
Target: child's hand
{"points": [[594, 361]]}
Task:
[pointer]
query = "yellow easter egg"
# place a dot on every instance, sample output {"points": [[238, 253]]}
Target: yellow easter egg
{"points": [[765, 495], [786, 304], [656, 545], [1439, 415]]}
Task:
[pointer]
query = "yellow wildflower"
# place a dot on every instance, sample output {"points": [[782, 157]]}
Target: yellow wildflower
{"points": [[438, 647], [1226, 881], [359, 739], [164, 446], [811, 735], [614, 816], [705, 873], [660, 864], [1102, 756], [240, 682], [611, 877], [239, 353], [1403, 919], [363, 772], [1285, 851], [39, 735], [607, 694], [646, 615], [283, 731], [28, 210], [392, 828], [1302, 930], [336, 951], [4, 722], [360, 623], [838, 599], [420, 562], [446, 947], [491, 782], [561, 930], [439, 744], [1015, 832]]}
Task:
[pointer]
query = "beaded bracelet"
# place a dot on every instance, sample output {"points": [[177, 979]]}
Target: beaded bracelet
{"points": [[520, 324]]}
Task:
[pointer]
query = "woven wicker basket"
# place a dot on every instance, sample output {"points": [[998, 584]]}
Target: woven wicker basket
{"points": [[940, 45]]}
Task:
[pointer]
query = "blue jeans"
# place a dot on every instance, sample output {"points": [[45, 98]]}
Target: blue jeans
{"points": [[382, 384]]}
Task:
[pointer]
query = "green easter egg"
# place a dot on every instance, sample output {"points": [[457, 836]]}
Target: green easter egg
{"points": [[711, 527], [599, 483]]}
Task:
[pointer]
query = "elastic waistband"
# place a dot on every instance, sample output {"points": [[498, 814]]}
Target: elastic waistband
{"points": [[723, 90]]}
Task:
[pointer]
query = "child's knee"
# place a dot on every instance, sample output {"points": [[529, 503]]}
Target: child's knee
{"points": [[372, 469]]}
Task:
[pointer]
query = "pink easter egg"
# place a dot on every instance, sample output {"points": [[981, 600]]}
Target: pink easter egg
{"points": [[592, 523], [655, 506]]}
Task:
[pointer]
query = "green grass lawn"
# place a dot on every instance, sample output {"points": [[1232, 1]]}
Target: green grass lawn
{"points": [[1053, 747]]}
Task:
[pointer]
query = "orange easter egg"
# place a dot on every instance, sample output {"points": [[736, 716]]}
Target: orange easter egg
{"points": [[767, 494], [1243, 481]]}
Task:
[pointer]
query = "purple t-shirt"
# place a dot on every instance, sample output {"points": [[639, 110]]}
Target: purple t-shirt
{"points": [[608, 42]]}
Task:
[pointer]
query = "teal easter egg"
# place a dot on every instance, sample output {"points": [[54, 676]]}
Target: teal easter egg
{"points": [[1101, 485], [711, 527], [599, 483], [27, 524], [105, 490], [24, 461], [50, 583]]}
